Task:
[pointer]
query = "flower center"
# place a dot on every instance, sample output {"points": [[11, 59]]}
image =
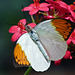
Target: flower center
{"points": [[36, 3], [73, 6], [21, 25]]}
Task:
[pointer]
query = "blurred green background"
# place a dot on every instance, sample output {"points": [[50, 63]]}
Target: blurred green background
{"points": [[10, 14]]}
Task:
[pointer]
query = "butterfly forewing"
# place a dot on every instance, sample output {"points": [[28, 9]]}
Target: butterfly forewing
{"points": [[64, 27], [32, 53], [52, 41], [20, 57]]}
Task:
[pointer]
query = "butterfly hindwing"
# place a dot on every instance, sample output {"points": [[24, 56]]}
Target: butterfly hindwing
{"points": [[55, 47]]}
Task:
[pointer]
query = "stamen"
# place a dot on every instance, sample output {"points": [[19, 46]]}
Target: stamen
{"points": [[36, 1], [73, 3]]}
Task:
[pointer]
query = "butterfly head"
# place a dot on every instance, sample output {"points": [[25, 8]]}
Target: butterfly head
{"points": [[28, 28]]}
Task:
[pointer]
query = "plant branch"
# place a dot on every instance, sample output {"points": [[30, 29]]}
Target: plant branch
{"points": [[28, 71], [33, 19]]}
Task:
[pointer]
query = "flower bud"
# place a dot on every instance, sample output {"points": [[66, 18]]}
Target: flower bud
{"points": [[67, 55], [48, 17], [57, 62], [71, 57]]}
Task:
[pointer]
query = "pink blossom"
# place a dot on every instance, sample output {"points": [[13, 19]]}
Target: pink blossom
{"points": [[71, 38], [73, 6], [67, 55], [19, 29], [71, 11], [35, 7], [56, 9], [69, 17], [57, 62], [62, 10]]}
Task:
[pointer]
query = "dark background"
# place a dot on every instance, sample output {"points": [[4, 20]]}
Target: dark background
{"points": [[10, 14]]}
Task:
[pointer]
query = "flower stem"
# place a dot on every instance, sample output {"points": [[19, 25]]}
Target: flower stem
{"points": [[28, 71], [32, 19], [43, 13]]}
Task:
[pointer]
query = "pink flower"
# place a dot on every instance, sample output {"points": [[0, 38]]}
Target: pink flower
{"points": [[67, 7], [19, 29], [67, 55], [73, 6], [57, 62], [69, 17], [71, 38], [35, 7], [57, 8], [61, 9], [71, 11]]}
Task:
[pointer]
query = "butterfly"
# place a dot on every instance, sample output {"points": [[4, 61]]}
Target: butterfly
{"points": [[46, 42]]}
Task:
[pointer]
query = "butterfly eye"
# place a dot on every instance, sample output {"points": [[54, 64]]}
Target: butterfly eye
{"points": [[28, 28]]}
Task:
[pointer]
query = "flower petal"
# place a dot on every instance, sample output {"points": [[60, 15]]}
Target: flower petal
{"points": [[73, 40], [67, 55], [53, 3], [15, 36], [33, 11], [23, 21], [44, 5], [44, 8], [14, 29], [72, 13], [32, 24], [27, 8], [32, 5], [68, 41], [70, 17], [62, 4]]}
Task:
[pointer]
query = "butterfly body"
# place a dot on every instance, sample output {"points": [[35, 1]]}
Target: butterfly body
{"points": [[34, 36]]}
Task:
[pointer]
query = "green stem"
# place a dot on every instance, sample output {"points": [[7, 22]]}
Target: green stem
{"points": [[32, 19], [28, 71], [43, 13]]}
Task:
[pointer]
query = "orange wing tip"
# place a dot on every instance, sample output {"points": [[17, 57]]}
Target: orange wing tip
{"points": [[20, 56], [63, 27]]}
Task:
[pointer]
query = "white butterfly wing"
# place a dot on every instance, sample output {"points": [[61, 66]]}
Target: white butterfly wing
{"points": [[52, 41], [34, 56]]}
